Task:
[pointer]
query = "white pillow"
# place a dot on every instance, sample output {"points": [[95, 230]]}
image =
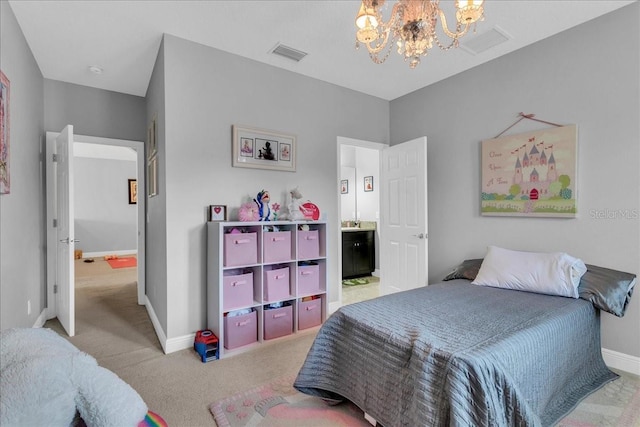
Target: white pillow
{"points": [[544, 273]]}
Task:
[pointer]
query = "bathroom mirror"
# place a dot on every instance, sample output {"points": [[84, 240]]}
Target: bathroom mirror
{"points": [[349, 200]]}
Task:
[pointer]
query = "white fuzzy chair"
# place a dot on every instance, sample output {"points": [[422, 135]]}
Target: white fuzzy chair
{"points": [[45, 381]]}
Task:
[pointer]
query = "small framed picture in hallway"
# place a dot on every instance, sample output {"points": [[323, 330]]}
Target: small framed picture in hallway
{"points": [[368, 183], [133, 191]]}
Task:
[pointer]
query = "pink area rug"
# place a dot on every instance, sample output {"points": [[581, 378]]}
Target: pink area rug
{"points": [[123, 262], [279, 404], [617, 404]]}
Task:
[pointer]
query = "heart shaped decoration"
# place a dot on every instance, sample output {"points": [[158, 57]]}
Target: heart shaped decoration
{"points": [[217, 209]]}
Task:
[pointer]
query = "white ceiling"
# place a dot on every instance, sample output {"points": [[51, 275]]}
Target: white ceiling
{"points": [[123, 37]]}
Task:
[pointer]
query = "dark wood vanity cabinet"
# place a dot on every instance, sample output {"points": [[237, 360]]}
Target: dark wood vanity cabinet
{"points": [[358, 253]]}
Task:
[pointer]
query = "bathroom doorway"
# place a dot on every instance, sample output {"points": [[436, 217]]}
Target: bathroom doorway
{"points": [[359, 206]]}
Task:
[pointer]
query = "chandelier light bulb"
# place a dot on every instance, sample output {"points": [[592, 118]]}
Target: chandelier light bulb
{"points": [[366, 18]]}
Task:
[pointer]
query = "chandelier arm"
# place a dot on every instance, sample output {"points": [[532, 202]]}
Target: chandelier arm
{"points": [[448, 32], [379, 46], [374, 56], [386, 30], [392, 19]]}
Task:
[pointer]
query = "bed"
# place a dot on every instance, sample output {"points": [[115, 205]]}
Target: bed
{"points": [[458, 354]]}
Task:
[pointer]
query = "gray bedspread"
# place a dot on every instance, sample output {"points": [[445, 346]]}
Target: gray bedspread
{"points": [[456, 354]]}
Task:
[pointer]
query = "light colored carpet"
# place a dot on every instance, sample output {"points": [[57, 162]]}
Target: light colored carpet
{"points": [[113, 328], [178, 386], [361, 292]]}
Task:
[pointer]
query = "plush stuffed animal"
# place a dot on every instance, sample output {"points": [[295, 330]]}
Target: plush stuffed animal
{"points": [[46, 380], [262, 200], [294, 205]]}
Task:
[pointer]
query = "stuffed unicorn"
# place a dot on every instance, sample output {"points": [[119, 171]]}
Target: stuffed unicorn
{"points": [[294, 205]]}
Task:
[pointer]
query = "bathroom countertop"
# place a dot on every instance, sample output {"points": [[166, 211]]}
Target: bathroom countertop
{"points": [[362, 226]]}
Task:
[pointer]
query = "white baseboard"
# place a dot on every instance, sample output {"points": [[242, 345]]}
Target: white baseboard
{"points": [[168, 345], [333, 306], [162, 337], [180, 343], [621, 361], [101, 254], [41, 319]]}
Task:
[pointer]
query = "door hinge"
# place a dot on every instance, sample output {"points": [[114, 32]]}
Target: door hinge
{"points": [[55, 158], [55, 223], [55, 289]]}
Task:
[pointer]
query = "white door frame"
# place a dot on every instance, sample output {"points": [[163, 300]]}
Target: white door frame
{"points": [[341, 140], [138, 146]]}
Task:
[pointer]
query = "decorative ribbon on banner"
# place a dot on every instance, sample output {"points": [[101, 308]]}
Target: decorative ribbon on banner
{"points": [[530, 117]]}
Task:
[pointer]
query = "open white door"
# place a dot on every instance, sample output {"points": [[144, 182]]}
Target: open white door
{"points": [[65, 274], [403, 219]]}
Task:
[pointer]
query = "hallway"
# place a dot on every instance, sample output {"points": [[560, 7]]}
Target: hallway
{"points": [[107, 313]]}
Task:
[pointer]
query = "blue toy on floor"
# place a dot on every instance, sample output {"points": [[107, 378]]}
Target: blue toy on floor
{"points": [[206, 345]]}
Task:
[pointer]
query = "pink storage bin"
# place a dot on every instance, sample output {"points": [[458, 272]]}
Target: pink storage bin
{"points": [[276, 284], [309, 313], [240, 249], [240, 330], [308, 244], [278, 322], [277, 246], [237, 291], [308, 279]]}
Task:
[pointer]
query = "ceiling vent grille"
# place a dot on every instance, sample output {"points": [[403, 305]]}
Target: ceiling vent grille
{"points": [[485, 41], [288, 52]]}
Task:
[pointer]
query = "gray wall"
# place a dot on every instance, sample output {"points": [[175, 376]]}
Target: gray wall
{"points": [[104, 219], [156, 235], [206, 92], [22, 212], [586, 76], [93, 112]]}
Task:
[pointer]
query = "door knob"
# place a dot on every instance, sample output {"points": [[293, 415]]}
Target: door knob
{"points": [[67, 240], [420, 235]]}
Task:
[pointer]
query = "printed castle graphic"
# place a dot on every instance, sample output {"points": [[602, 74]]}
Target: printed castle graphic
{"points": [[535, 172]]}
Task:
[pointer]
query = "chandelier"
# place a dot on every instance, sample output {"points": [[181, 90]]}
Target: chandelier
{"points": [[412, 27]]}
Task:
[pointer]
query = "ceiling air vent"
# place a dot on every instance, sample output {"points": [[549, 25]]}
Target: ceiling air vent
{"points": [[289, 52], [485, 41]]}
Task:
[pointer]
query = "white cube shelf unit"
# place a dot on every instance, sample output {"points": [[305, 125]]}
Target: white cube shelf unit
{"points": [[250, 267]]}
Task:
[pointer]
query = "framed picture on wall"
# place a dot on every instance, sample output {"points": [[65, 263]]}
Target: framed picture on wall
{"points": [[133, 191], [152, 176], [152, 138], [4, 134], [344, 186], [368, 183], [263, 149], [532, 174], [217, 213]]}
